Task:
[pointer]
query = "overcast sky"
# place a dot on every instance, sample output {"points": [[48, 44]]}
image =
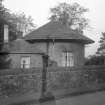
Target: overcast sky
{"points": [[39, 10]]}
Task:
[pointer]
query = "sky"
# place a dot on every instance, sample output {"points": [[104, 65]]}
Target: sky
{"points": [[40, 12]]}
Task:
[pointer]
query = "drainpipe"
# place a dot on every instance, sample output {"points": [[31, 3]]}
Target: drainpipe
{"points": [[48, 46], [44, 74], [47, 49]]}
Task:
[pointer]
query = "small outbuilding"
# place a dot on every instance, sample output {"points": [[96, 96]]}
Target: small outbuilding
{"points": [[24, 55]]}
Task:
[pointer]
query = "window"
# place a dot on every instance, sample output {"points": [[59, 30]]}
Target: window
{"points": [[25, 62], [68, 59]]}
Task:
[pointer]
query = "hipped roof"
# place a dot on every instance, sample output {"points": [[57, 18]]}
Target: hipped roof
{"points": [[56, 30], [20, 46]]}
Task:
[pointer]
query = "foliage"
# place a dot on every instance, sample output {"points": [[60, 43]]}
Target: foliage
{"points": [[21, 22], [24, 81], [98, 74], [67, 80], [95, 60], [16, 84], [101, 49], [4, 61], [17, 23], [71, 14], [4, 19], [99, 57]]}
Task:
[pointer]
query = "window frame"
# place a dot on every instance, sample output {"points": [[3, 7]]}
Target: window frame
{"points": [[68, 59], [26, 65]]}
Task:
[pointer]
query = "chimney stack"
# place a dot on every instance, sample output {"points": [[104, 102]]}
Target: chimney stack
{"points": [[6, 34]]}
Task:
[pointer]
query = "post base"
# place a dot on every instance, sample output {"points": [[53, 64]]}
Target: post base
{"points": [[47, 97]]}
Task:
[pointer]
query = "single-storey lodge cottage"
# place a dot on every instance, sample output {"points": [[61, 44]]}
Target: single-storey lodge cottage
{"points": [[64, 47]]}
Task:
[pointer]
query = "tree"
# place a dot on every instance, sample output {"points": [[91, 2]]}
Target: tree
{"points": [[21, 22], [101, 49], [17, 23], [4, 62], [98, 74], [71, 14], [4, 19], [95, 60]]}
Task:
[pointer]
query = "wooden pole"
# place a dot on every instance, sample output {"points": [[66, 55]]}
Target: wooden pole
{"points": [[45, 95], [44, 75]]}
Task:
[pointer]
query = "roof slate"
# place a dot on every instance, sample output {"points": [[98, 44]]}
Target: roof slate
{"points": [[56, 30]]}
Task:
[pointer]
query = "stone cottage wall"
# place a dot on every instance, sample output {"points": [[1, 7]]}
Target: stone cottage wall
{"points": [[56, 49], [35, 60], [55, 54]]}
